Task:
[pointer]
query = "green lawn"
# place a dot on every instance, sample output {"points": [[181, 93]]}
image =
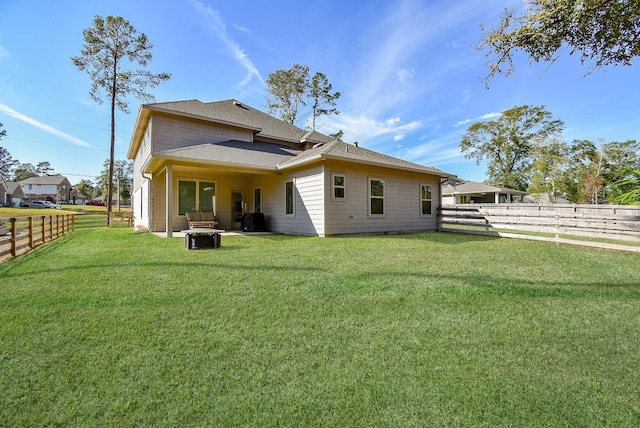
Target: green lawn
{"points": [[114, 328]]}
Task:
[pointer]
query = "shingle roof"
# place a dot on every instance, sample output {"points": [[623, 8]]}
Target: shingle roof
{"points": [[45, 179], [239, 153], [13, 187], [233, 112], [466, 187], [260, 153], [341, 150]]}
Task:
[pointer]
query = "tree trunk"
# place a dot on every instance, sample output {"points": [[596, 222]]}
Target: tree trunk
{"points": [[113, 143]]}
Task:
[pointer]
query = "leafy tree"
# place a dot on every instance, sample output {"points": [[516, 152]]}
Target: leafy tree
{"points": [[43, 168], [632, 195], [291, 90], [7, 164], [508, 142], [287, 91], [86, 187], [322, 100], [619, 159], [123, 176], [582, 160], [337, 135], [592, 186], [549, 161], [602, 32], [109, 46], [24, 171]]}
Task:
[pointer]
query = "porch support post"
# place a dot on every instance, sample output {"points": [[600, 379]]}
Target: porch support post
{"points": [[497, 197], [169, 199]]}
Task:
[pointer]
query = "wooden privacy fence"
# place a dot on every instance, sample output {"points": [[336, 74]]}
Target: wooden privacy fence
{"points": [[619, 222], [21, 234]]}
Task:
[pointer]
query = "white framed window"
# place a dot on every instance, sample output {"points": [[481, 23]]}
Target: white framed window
{"points": [[376, 197], [195, 195], [257, 200], [338, 187], [289, 198], [426, 196]]}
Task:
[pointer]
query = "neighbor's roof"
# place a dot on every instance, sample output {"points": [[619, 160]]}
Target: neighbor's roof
{"points": [[45, 179], [14, 188], [228, 112], [472, 187]]}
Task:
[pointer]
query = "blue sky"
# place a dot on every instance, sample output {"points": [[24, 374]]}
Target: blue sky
{"points": [[407, 70]]}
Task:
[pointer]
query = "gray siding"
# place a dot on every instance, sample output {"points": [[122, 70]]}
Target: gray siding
{"points": [[308, 218], [173, 133], [402, 201]]}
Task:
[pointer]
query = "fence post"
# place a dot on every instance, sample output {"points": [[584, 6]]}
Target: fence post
{"points": [[31, 232], [557, 226], [13, 236], [73, 222], [50, 228]]}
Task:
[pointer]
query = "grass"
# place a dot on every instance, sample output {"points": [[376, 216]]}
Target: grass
{"points": [[113, 328]]}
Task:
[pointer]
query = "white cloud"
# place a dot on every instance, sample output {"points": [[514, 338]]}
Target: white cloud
{"points": [[365, 129], [462, 122], [217, 25], [486, 116], [42, 126], [490, 115], [404, 75], [440, 151]]}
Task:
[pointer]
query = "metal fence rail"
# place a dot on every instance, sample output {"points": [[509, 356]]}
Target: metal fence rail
{"points": [[21, 234]]}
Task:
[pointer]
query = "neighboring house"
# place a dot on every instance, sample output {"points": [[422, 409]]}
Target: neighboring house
{"points": [[15, 194], [457, 191], [232, 159], [10, 193], [3, 192], [54, 188]]}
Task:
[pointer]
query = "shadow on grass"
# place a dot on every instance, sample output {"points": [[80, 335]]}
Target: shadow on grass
{"points": [[376, 281], [370, 277], [490, 285]]}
